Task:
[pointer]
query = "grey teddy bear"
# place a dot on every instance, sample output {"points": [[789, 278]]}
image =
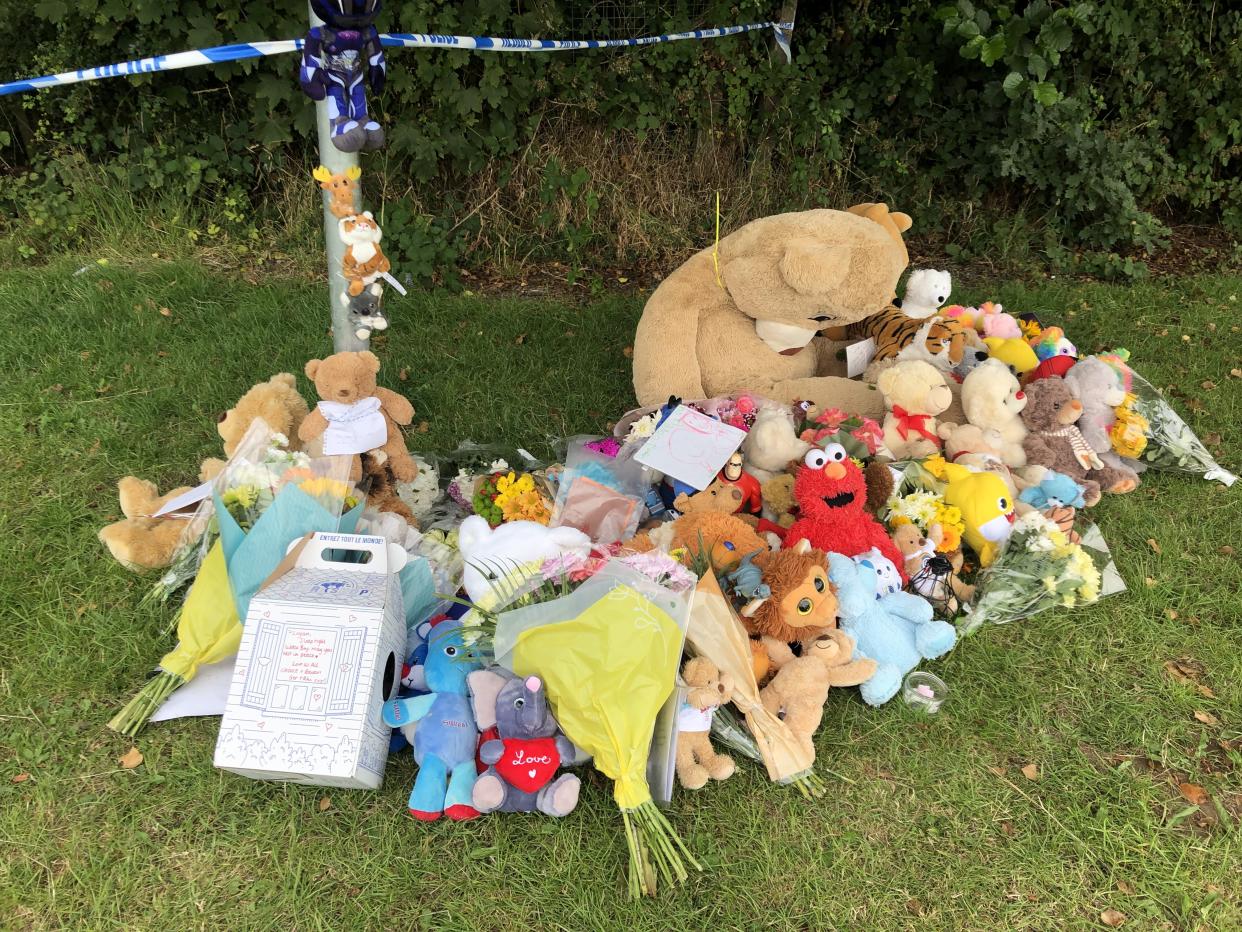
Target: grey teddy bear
{"points": [[522, 762]]}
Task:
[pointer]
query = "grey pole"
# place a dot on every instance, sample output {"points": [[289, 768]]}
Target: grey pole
{"points": [[334, 160]]}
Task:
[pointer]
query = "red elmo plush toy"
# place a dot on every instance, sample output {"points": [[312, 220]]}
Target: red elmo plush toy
{"points": [[832, 495]]}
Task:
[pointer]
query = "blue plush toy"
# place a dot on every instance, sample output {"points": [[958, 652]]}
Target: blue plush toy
{"points": [[413, 679], [746, 581], [896, 630], [1054, 490], [446, 737]]}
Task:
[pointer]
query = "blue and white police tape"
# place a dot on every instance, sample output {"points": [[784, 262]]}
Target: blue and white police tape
{"points": [[244, 50]]}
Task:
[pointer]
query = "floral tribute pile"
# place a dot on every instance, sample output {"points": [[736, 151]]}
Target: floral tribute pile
{"points": [[609, 607]]}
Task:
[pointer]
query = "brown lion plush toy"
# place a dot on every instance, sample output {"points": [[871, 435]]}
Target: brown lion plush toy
{"points": [[802, 605]]}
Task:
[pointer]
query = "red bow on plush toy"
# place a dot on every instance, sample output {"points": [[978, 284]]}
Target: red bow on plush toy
{"points": [[907, 422]]}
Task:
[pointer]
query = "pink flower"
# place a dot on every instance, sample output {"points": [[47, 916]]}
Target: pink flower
{"points": [[746, 404], [870, 434], [831, 418]]}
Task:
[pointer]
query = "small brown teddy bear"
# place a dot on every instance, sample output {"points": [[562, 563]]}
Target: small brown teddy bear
{"points": [[719, 496], [1053, 439], [918, 550], [697, 760], [349, 396], [800, 688], [142, 543]]}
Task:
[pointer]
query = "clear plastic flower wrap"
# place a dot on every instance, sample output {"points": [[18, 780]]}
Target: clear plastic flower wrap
{"points": [[1171, 444], [1041, 567], [260, 444]]}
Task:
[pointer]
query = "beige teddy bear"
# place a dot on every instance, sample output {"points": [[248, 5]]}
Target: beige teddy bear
{"points": [[350, 402], [697, 760], [140, 542], [993, 400], [800, 688], [914, 393], [747, 314]]}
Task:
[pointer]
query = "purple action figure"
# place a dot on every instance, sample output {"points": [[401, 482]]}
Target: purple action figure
{"points": [[336, 57]]}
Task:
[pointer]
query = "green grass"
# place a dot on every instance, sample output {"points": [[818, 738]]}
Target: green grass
{"points": [[936, 827]]}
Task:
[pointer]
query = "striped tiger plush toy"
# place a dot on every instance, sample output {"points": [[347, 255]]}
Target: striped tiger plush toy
{"points": [[938, 340]]}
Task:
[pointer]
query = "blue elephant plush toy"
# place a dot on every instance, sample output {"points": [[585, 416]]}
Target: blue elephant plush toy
{"points": [[895, 630], [444, 732]]}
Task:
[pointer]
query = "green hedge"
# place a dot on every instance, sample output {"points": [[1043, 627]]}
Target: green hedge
{"points": [[1097, 122]]}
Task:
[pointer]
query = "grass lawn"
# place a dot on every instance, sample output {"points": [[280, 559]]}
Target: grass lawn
{"points": [[933, 825]]}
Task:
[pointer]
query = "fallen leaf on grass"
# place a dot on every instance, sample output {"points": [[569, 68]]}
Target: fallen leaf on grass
{"points": [[1205, 691], [403, 374], [1225, 551], [130, 759], [1236, 373], [424, 426], [1193, 793], [1123, 887], [1154, 544], [1170, 614], [1207, 718], [165, 312], [628, 352], [1031, 771], [20, 778], [325, 804], [1112, 918], [1149, 581], [1208, 384], [915, 907], [997, 771], [521, 338]]}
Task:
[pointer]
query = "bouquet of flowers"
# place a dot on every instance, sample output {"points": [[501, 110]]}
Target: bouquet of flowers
{"points": [[1039, 568], [508, 496], [862, 437], [262, 451], [1172, 445], [260, 506], [715, 632], [608, 653], [924, 509]]}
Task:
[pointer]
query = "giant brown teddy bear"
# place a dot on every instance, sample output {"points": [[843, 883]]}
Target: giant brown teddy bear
{"points": [[782, 280]]}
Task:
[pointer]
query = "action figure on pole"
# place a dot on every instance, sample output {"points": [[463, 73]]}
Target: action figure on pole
{"points": [[336, 59]]}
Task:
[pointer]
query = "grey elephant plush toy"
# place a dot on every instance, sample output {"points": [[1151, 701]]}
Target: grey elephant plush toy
{"points": [[522, 762]]}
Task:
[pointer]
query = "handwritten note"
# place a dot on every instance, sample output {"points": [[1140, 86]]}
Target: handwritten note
{"points": [[691, 447]]}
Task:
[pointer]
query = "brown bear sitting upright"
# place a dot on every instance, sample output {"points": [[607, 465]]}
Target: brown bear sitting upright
{"points": [[782, 280]]}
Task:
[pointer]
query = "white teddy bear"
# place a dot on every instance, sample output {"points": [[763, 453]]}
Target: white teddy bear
{"points": [[993, 400], [926, 292]]}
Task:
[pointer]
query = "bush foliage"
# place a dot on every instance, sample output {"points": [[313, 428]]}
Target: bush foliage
{"points": [[1097, 122]]}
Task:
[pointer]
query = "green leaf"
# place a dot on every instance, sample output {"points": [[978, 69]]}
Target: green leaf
{"points": [[973, 48], [993, 50], [1012, 85], [1045, 93], [1056, 35], [51, 10], [1036, 65]]}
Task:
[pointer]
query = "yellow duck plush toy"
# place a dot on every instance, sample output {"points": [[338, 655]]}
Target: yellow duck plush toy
{"points": [[984, 501], [1014, 352]]}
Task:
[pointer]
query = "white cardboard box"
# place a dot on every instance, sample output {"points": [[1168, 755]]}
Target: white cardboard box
{"points": [[320, 654]]}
